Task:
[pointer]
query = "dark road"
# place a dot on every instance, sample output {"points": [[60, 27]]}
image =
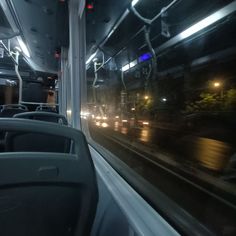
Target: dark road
{"points": [[206, 197]]}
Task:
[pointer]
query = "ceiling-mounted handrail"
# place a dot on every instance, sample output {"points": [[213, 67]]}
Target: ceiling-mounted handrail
{"points": [[150, 21], [10, 36], [16, 63], [124, 15], [9, 53]]}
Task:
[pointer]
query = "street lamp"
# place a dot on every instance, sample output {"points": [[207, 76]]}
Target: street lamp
{"points": [[146, 97], [217, 84]]}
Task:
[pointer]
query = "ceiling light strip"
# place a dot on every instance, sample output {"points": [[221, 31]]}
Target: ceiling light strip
{"points": [[208, 21]]}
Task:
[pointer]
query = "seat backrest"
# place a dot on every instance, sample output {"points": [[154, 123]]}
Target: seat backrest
{"points": [[43, 116], [46, 108], [33, 92], [47, 193], [12, 109], [38, 142], [31, 142]]}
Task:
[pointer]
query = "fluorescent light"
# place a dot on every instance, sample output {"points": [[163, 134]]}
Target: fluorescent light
{"points": [[109, 35], [18, 49], [91, 58], [23, 46], [133, 63], [125, 68], [130, 65], [202, 24], [134, 2]]}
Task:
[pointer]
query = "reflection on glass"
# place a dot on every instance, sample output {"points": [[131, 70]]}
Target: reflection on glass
{"points": [[124, 130], [116, 126], [212, 154], [182, 109], [144, 135]]}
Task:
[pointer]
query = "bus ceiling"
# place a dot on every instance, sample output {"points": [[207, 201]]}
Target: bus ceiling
{"points": [[130, 30], [34, 29], [124, 30]]}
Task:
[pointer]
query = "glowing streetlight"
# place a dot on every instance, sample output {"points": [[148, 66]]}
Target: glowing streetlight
{"points": [[146, 97], [216, 84], [219, 86]]}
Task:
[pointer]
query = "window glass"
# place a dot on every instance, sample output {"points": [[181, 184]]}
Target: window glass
{"points": [[163, 100], [8, 91]]}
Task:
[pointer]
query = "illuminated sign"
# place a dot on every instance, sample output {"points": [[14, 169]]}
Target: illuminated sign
{"points": [[145, 57]]}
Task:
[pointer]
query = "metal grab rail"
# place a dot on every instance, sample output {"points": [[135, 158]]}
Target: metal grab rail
{"points": [[13, 106]]}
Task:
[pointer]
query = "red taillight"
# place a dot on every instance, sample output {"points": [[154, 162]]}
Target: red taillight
{"points": [[57, 55], [89, 6]]}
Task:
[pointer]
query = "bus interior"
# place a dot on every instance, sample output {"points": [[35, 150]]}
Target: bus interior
{"points": [[117, 117]]}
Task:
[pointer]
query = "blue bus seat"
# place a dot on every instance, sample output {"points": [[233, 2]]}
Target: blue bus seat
{"points": [[10, 110], [18, 141], [47, 193], [47, 108], [43, 116]]}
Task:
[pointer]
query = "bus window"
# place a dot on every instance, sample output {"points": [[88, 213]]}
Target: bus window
{"points": [[8, 88], [161, 85]]}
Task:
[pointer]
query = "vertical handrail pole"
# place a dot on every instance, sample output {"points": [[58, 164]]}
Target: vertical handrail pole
{"points": [[76, 58], [63, 81], [18, 76]]}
